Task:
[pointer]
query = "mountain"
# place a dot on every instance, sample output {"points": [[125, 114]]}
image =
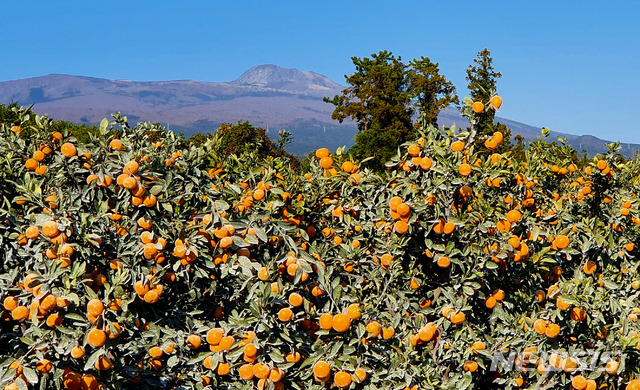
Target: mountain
{"points": [[268, 96]]}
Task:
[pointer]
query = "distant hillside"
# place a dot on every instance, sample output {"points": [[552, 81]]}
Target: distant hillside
{"points": [[267, 96]]}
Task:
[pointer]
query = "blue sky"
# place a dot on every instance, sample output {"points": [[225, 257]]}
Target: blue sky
{"points": [[571, 65]]}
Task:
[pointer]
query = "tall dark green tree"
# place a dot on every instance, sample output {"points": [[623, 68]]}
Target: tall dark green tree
{"points": [[382, 97], [431, 90], [482, 80]]}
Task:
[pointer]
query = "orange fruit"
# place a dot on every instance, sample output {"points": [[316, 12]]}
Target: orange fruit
{"points": [[464, 169], [97, 337], [589, 267], [413, 150], [68, 149], [115, 144], [214, 336], [496, 102], [561, 242], [194, 341], [401, 227], [470, 366], [458, 318], [50, 229], [10, 303], [444, 262], [322, 152], [285, 314], [341, 323], [426, 163], [477, 107], [353, 311], [514, 216], [457, 146], [223, 369], [321, 369], [261, 371], [77, 352], [250, 349], [295, 299], [20, 313], [326, 162], [246, 371], [373, 328], [95, 307], [31, 164], [44, 366], [342, 379], [552, 331]]}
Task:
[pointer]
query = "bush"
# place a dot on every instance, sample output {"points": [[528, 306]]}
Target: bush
{"points": [[129, 262]]}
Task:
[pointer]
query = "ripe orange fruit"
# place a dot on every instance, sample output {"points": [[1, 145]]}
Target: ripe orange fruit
{"points": [[552, 331], [354, 312], [360, 374], [77, 352], [156, 353], [514, 216], [540, 326], [194, 341], [341, 323], [612, 366], [295, 299], [561, 242], [388, 333], [633, 384], [261, 371], [97, 337], [44, 366], [496, 102], [589, 267], [322, 152], [426, 163], [457, 146], [413, 150], [444, 262], [322, 369], [214, 336], [10, 303], [223, 369], [68, 149], [54, 320], [246, 371], [50, 229], [32, 232], [95, 307], [464, 169], [326, 162], [250, 349], [477, 107], [342, 379], [458, 318], [401, 227], [285, 314], [115, 144], [31, 164], [373, 328], [20, 313], [470, 366]]}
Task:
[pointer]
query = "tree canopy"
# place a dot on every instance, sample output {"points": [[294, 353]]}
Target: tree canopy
{"points": [[383, 95]]}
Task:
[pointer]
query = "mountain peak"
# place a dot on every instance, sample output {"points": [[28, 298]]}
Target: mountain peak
{"points": [[279, 78]]}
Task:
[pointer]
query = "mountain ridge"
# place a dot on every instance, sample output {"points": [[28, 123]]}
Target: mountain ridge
{"points": [[268, 96]]}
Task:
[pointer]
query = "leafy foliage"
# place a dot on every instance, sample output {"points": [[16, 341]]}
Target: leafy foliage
{"points": [[332, 276]]}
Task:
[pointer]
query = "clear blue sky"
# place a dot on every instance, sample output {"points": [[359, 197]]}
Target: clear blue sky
{"points": [[571, 65]]}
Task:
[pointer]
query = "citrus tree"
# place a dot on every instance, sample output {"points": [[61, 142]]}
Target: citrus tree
{"points": [[135, 259]]}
